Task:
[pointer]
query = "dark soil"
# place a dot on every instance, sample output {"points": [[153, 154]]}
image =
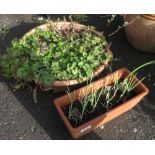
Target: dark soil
{"points": [[91, 113]]}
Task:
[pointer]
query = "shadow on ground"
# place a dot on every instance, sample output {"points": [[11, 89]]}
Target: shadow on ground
{"points": [[44, 112]]}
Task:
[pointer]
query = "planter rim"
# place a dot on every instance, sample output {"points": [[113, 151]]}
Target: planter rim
{"points": [[100, 117], [66, 83], [149, 16]]}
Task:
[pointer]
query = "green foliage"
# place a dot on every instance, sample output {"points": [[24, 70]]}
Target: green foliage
{"points": [[4, 30], [52, 54], [112, 18], [78, 17]]}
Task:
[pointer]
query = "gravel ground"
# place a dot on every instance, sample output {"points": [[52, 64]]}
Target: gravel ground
{"points": [[20, 118]]}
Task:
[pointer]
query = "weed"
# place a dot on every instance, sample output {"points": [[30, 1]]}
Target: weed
{"points": [[4, 30]]}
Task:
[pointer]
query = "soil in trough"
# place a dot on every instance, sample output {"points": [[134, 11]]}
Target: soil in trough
{"points": [[99, 110]]}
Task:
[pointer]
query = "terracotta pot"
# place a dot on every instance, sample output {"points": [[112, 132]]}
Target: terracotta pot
{"points": [[65, 84], [85, 128], [141, 33]]}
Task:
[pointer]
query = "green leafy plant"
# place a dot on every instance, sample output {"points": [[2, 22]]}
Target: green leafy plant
{"points": [[52, 54]]}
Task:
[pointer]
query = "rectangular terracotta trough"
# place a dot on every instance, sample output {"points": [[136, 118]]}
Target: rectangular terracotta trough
{"points": [[85, 128]]}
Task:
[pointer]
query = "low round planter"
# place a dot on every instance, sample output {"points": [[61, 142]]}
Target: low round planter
{"points": [[141, 32], [65, 84], [140, 90]]}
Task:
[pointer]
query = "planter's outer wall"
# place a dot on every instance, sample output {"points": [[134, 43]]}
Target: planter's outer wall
{"points": [[141, 33], [85, 128]]}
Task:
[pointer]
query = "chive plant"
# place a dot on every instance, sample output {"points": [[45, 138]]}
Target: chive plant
{"points": [[129, 83], [108, 93], [71, 108], [94, 98], [85, 100]]}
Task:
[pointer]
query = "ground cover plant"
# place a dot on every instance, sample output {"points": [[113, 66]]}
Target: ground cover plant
{"points": [[52, 54], [96, 103], [4, 30]]}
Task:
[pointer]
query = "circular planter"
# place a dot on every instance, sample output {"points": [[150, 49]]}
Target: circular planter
{"points": [[64, 84], [141, 32]]}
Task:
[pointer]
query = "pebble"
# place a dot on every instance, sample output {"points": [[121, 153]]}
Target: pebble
{"points": [[153, 138], [5, 124], [153, 126], [135, 130], [115, 127], [20, 138], [32, 129], [102, 127]]}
